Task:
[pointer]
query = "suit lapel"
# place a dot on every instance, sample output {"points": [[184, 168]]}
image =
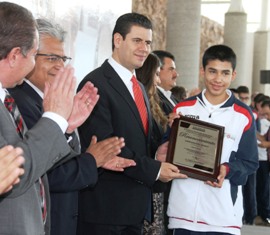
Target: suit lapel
{"points": [[174, 99], [164, 99], [33, 94], [118, 85]]}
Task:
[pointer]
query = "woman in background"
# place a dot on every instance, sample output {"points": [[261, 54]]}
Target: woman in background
{"points": [[148, 75]]}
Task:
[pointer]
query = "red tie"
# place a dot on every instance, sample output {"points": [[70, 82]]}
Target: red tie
{"points": [[21, 129], [139, 100]]}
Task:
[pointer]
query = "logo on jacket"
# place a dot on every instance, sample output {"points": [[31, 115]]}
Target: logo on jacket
{"points": [[229, 136], [193, 116]]}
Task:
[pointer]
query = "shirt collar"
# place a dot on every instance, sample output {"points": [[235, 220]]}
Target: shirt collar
{"points": [[211, 106], [2, 93], [123, 72], [166, 93], [37, 90]]}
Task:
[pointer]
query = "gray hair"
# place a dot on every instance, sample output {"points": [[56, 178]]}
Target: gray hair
{"points": [[52, 29]]}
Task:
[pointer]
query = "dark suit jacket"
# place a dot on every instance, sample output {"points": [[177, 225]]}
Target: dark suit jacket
{"points": [[167, 106], [119, 198], [65, 179]]}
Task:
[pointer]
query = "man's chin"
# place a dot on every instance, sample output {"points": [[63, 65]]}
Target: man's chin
{"points": [[20, 82], [17, 83]]}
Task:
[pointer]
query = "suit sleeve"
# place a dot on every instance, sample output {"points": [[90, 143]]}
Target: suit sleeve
{"points": [[74, 145], [76, 174], [43, 146]]}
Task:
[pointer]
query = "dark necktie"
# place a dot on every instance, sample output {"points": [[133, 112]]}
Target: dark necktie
{"points": [[21, 129], [139, 100]]}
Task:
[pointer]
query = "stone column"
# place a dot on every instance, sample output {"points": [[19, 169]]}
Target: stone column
{"points": [[235, 36], [183, 39], [261, 55]]}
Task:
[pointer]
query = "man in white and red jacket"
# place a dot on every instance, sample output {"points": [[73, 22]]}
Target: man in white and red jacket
{"points": [[196, 206]]}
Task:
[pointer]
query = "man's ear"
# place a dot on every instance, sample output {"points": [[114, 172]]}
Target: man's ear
{"points": [[202, 71], [233, 75], [13, 56], [117, 38]]}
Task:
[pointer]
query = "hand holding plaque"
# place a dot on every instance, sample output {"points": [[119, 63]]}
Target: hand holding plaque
{"points": [[195, 148]]}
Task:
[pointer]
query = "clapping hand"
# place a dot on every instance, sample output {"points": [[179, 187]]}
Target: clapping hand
{"points": [[83, 104]]}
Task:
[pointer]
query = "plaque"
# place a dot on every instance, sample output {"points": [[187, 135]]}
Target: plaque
{"points": [[195, 148]]}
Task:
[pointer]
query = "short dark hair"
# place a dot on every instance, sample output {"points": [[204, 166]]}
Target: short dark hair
{"points": [[259, 98], [234, 90], [163, 54], [266, 102], [126, 21], [219, 52], [17, 29], [242, 89], [179, 92]]}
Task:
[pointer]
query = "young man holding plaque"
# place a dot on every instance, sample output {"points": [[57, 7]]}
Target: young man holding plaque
{"points": [[206, 207]]}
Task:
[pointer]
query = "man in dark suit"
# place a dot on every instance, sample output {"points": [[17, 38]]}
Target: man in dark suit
{"points": [[168, 76], [119, 201], [44, 145], [65, 179]]}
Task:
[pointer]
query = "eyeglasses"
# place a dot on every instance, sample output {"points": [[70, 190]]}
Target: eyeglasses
{"points": [[243, 98], [52, 58]]}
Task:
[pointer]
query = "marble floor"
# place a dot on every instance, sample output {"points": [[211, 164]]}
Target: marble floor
{"points": [[255, 230], [258, 229]]}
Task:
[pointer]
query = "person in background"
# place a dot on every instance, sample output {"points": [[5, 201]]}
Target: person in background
{"points": [[11, 160], [256, 109], [234, 91], [216, 207], [249, 189], [168, 75], [252, 105], [262, 103], [243, 94], [148, 75], [195, 91], [119, 202], [179, 93], [65, 179]]}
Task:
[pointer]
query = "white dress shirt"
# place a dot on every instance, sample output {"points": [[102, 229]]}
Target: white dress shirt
{"points": [[167, 94]]}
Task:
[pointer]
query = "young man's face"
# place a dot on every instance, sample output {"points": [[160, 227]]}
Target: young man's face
{"points": [[133, 51], [168, 74], [218, 76]]}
